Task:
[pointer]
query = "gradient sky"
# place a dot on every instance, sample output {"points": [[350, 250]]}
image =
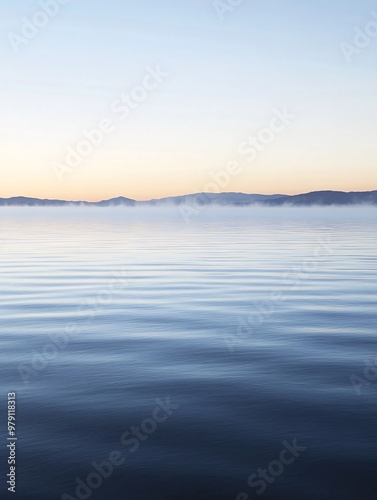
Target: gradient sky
{"points": [[225, 79]]}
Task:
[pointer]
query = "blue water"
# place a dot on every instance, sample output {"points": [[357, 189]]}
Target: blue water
{"points": [[250, 323]]}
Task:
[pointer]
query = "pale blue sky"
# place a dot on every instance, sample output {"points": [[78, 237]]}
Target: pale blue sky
{"points": [[225, 80]]}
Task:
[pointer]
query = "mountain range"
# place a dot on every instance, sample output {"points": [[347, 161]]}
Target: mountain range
{"points": [[321, 198]]}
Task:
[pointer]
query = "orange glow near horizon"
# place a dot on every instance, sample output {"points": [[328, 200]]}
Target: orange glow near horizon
{"points": [[103, 193]]}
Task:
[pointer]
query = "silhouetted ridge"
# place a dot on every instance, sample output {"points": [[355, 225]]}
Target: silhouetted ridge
{"points": [[321, 198]]}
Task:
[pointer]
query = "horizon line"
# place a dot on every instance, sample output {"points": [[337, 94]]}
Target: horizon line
{"points": [[183, 195]]}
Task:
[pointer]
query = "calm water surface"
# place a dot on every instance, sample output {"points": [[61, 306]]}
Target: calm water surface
{"points": [[251, 324]]}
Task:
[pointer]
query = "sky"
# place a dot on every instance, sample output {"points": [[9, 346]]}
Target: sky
{"points": [[157, 98]]}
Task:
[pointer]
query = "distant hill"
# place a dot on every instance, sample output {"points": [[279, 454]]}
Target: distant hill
{"points": [[22, 201], [235, 199], [121, 200], [321, 198], [327, 198]]}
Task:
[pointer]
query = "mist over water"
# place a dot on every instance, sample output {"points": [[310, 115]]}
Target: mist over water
{"points": [[254, 322]]}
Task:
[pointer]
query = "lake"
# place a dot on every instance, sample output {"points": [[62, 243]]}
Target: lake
{"points": [[231, 356]]}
